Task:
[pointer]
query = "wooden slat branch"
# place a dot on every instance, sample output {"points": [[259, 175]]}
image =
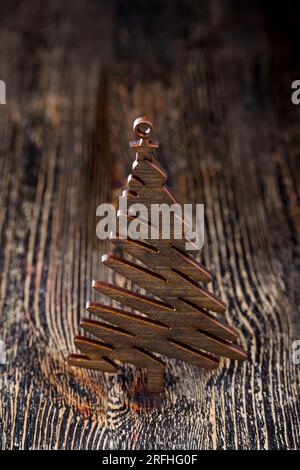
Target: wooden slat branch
{"points": [[176, 321]]}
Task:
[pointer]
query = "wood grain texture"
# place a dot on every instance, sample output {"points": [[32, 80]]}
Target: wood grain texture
{"points": [[215, 77]]}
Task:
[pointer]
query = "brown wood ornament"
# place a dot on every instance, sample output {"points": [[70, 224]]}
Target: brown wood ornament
{"points": [[178, 319]]}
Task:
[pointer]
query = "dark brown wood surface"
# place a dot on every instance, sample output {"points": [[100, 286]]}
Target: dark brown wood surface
{"points": [[216, 79]]}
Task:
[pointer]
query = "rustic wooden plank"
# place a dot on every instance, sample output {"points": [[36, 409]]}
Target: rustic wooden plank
{"points": [[219, 92]]}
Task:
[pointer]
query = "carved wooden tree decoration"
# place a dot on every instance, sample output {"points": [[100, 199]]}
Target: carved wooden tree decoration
{"points": [[176, 319]]}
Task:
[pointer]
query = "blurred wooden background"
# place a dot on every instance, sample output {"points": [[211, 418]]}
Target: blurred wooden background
{"points": [[216, 79]]}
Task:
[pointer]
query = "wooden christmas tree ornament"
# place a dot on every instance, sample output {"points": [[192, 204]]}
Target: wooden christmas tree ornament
{"points": [[177, 319]]}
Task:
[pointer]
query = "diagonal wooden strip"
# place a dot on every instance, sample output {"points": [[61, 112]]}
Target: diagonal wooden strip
{"points": [[153, 342], [94, 359], [88, 362], [177, 327], [157, 242], [184, 352], [94, 355], [204, 320], [167, 289], [163, 259], [92, 346], [140, 302], [160, 312], [107, 333], [125, 318], [206, 342]]}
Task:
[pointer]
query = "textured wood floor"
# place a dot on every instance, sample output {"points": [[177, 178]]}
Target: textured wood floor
{"points": [[215, 77]]}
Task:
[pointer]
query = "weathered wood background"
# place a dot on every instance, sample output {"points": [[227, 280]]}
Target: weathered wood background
{"points": [[216, 79]]}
